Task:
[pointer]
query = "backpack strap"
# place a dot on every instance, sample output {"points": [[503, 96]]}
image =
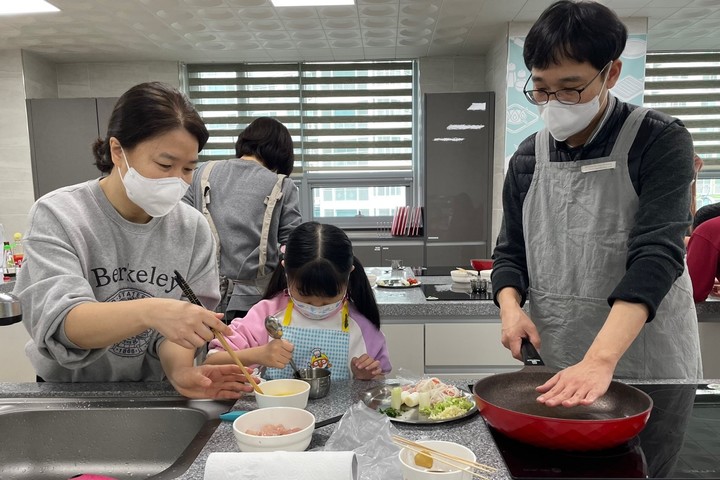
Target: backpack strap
{"points": [[270, 202], [205, 192]]}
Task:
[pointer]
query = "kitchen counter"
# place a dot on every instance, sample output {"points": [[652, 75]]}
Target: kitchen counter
{"points": [[410, 302], [470, 431]]}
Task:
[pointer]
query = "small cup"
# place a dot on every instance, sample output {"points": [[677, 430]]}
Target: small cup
{"points": [[319, 380], [478, 285]]}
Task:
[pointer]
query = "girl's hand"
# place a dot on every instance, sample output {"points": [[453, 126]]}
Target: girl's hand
{"points": [[276, 353], [365, 367], [210, 381], [183, 323]]}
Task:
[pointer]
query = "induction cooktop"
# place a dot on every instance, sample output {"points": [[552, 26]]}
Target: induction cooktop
{"points": [[455, 291], [681, 441]]}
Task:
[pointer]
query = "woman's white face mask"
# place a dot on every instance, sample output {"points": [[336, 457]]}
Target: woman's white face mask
{"points": [[157, 196], [564, 121]]}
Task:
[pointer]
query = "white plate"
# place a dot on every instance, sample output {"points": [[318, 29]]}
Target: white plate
{"points": [[394, 283], [379, 397]]}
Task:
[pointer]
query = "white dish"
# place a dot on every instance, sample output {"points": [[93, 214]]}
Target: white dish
{"points": [[463, 276], [283, 392], [411, 471], [285, 416]]}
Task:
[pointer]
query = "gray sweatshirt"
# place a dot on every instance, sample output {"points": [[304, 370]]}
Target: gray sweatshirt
{"points": [[79, 249], [238, 190]]}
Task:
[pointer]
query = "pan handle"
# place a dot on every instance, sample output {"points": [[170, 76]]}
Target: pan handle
{"points": [[529, 354]]}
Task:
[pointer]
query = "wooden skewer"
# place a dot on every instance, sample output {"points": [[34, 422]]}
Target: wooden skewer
{"points": [[445, 458], [229, 349]]}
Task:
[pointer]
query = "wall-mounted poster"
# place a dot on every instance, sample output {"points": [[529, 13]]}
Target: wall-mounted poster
{"points": [[522, 117]]}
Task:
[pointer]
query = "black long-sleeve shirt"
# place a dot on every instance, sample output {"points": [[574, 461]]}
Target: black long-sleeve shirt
{"points": [[661, 169]]}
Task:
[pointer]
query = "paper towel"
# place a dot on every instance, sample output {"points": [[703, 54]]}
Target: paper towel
{"points": [[319, 465]]}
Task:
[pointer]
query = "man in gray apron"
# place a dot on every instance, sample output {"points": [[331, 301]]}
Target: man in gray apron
{"points": [[595, 210]]}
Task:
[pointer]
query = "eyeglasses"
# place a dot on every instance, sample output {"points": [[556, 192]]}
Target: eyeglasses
{"points": [[566, 96]]}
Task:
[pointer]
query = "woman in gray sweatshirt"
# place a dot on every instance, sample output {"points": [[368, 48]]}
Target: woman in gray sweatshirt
{"points": [[99, 293]]}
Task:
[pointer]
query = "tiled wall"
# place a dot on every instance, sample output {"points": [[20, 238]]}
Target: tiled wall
{"points": [[496, 79], [452, 74], [16, 187]]}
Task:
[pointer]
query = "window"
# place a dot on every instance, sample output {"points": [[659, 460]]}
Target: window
{"points": [[351, 122], [686, 85]]}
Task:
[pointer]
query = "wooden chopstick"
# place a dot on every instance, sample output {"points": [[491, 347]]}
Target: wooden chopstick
{"points": [[445, 458], [187, 291], [235, 358]]}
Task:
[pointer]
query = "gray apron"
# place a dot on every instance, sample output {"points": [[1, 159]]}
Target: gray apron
{"points": [[577, 218]]}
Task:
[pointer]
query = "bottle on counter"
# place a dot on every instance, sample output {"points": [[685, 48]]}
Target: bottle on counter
{"points": [[8, 260], [18, 252]]}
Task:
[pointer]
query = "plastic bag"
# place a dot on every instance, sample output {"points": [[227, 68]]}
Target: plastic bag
{"points": [[363, 431]]}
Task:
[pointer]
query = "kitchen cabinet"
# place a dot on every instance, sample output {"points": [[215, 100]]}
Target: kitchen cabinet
{"points": [[406, 347], [709, 340], [379, 254], [458, 176], [62, 131], [466, 348]]}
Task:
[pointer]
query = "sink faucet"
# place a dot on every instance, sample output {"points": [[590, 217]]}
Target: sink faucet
{"points": [[10, 309]]}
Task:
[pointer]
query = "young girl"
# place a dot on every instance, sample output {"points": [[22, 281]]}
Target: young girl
{"points": [[323, 299]]}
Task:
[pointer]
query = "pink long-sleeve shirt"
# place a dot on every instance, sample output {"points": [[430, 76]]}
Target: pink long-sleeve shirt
{"points": [[250, 331]]}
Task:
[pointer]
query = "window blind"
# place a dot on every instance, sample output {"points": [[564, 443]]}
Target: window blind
{"points": [[686, 85], [343, 116]]}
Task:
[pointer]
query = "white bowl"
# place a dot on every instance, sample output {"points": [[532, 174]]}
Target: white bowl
{"points": [[414, 472], [287, 417], [486, 274], [372, 278], [462, 276], [284, 392]]}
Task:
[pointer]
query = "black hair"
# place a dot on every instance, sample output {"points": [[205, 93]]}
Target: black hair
{"points": [[581, 31], [146, 111], [269, 141], [319, 261], [705, 213]]}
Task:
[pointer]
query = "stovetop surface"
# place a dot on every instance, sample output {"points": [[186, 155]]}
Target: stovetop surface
{"points": [[681, 441], [454, 291]]}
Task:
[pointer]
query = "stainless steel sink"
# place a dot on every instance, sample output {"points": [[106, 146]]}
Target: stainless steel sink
{"points": [[125, 438]]}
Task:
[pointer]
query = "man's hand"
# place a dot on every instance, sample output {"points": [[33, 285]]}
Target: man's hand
{"points": [[579, 384]]}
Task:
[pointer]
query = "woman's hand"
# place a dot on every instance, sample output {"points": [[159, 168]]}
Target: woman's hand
{"points": [[210, 381], [579, 384], [276, 353], [183, 323], [365, 367]]}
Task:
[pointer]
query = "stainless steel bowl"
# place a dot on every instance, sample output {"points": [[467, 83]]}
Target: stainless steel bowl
{"points": [[319, 380]]}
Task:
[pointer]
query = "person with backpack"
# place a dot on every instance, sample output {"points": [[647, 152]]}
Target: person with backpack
{"points": [[252, 205]]}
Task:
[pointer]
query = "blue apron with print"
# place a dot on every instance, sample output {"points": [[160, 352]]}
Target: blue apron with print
{"points": [[316, 347]]}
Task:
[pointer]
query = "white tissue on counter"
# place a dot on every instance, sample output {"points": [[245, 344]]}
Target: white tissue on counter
{"points": [[320, 465]]}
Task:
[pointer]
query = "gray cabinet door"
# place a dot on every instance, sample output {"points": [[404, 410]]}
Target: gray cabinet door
{"points": [[369, 255], [62, 131], [458, 170], [411, 255], [105, 107]]}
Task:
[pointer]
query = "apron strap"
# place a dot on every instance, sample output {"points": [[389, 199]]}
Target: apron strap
{"points": [[270, 202], [542, 146], [629, 131], [205, 191], [344, 322]]}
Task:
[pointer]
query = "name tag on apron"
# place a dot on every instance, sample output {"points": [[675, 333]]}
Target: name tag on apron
{"points": [[597, 167]]}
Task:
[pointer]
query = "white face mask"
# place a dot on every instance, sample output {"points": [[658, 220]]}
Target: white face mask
{"points": [[564, 121], [317, 313], [157, 196]]}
